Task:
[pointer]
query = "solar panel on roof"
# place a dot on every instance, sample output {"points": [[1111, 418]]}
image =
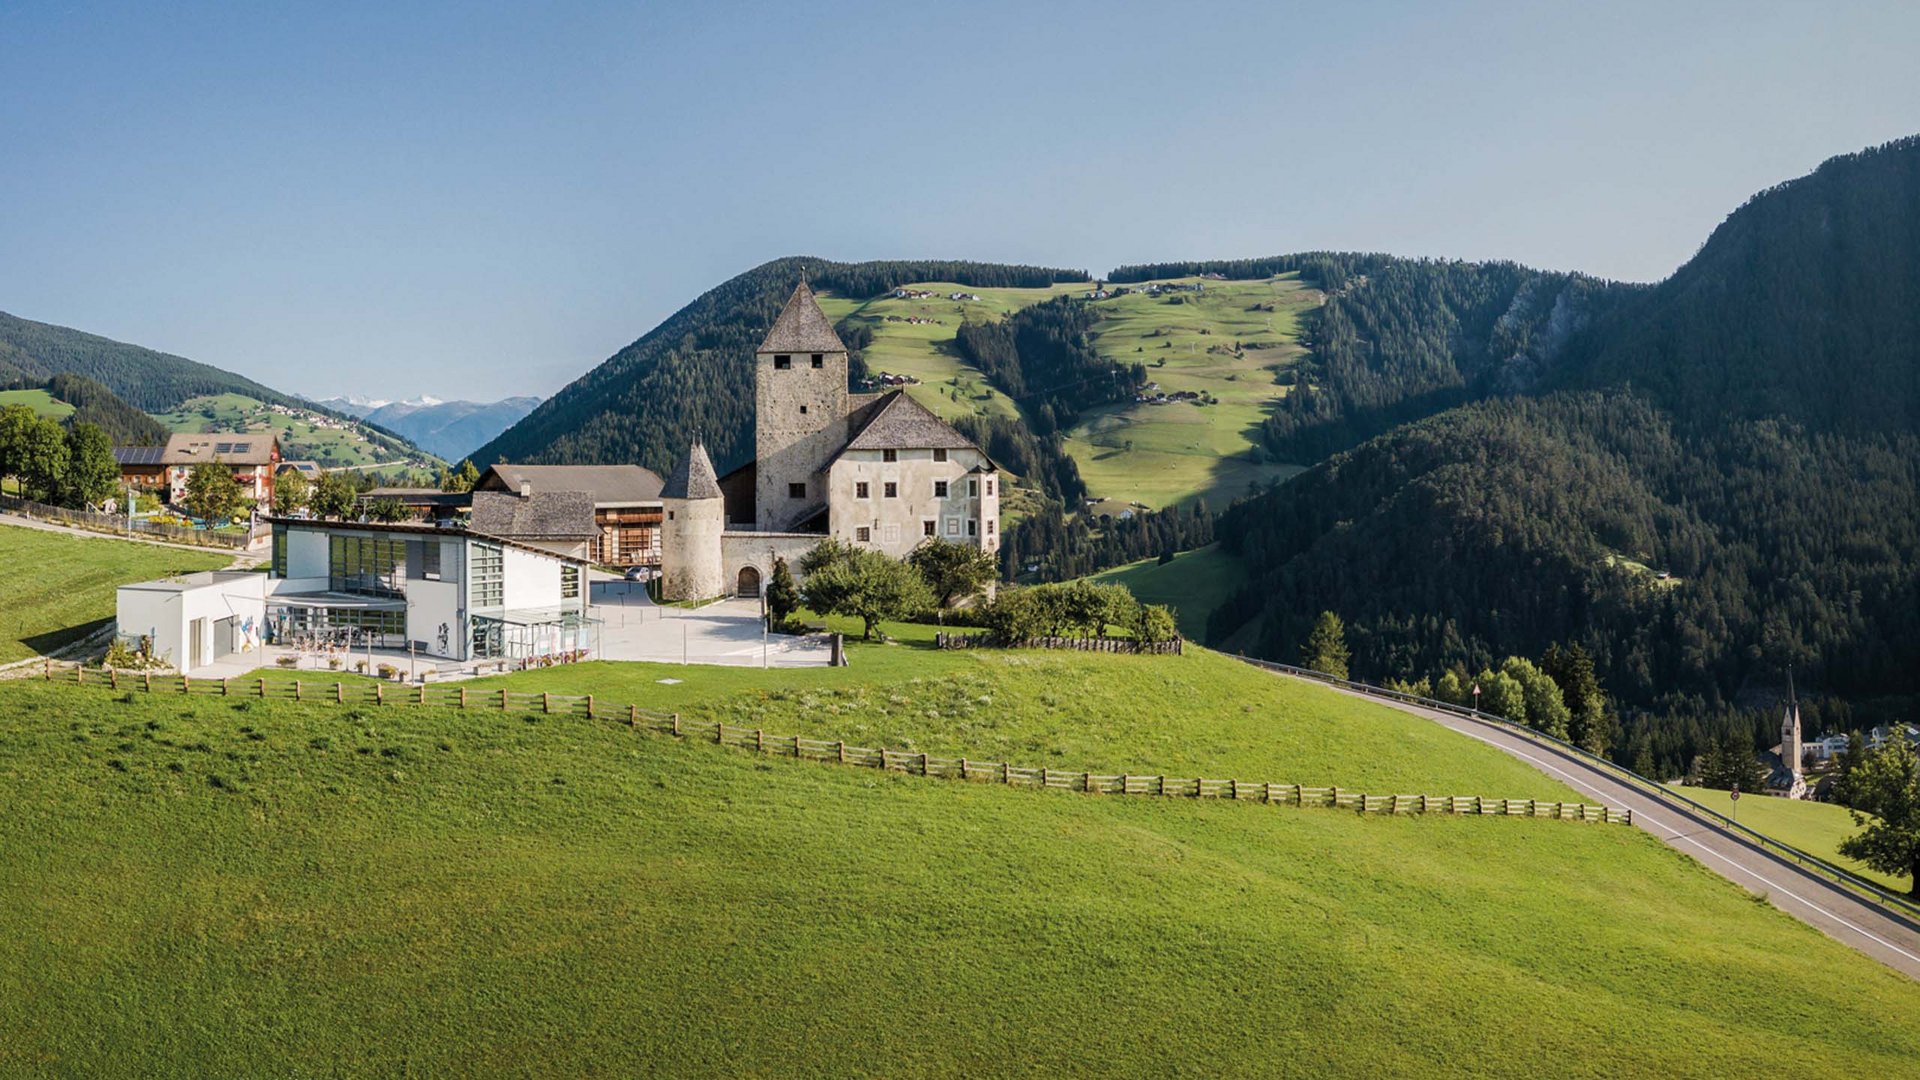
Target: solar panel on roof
{"points": [[225, 448]]}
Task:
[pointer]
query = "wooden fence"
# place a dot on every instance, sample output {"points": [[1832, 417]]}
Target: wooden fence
{"points": [[502, 699], [118, 524], [945, 640]]}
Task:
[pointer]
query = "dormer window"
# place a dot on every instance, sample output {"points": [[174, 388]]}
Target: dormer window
{"points": [[819, 361], [782, 363]]}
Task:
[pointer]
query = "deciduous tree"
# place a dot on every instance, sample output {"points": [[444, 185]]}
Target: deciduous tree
{"points": [[1886, 804], [212, 493], [869, 586], [954, 572]]}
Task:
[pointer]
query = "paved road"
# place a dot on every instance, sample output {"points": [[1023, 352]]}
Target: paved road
{"points": [[1892, 939]]}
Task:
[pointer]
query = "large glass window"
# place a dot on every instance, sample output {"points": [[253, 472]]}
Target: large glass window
{"points": [[367, 565], [486, 577], [279, 551], [569, 581]]}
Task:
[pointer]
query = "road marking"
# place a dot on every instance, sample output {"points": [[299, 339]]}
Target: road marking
{"points": [[1675, 834]]}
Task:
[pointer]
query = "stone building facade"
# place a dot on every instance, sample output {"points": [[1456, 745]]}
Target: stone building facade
{"points": [[873, 470]]}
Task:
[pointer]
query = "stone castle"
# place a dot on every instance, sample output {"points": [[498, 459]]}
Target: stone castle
{"points": [[879, 471]]}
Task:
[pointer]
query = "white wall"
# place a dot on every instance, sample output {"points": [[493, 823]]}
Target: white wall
{"points": [[431, 604], [898, 524], [532, 581], [167, 612]]}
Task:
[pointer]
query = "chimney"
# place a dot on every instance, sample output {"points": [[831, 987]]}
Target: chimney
{"points": [[526, 489]]}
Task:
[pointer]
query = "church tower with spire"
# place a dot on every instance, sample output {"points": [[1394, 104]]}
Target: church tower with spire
{"points": [[800, 418], [1790, 744]]}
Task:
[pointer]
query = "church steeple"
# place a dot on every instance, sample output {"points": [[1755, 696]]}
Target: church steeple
{"points": [[1790, 741]]}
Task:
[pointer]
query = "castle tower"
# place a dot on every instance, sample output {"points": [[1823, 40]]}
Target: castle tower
{"points": [[800, 401], [1790, 746], [690, 531]]}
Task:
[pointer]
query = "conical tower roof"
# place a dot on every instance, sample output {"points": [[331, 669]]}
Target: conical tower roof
{"points": [[802, 327], [693, 477]]}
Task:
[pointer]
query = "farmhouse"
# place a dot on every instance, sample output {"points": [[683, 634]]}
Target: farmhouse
{"points": [[624, 502], [875, 470], [255, 460]]}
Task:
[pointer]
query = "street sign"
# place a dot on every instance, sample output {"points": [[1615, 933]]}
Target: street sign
{"points": [[1735, 793]]}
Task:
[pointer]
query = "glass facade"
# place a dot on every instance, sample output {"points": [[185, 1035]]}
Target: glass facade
{"points": [[383, 629], [367, 565], [486, 577], [279, 551]]}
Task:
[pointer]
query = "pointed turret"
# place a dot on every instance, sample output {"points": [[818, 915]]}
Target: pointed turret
{"points": [[693, 477], [802, 327]]}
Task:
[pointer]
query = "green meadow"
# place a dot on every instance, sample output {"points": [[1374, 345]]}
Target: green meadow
{"points": [[1193, 584], [1814, 827], [59, 585], [41, 402], [208, 886], [1228, 340], [300, 438]]}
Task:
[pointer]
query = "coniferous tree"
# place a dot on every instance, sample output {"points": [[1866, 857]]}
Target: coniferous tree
{"points": [[783, 596], [1326, 647]]}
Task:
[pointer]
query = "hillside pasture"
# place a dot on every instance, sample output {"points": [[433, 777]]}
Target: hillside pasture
{"points": [[1193, 584], [1814, 827], [300, 438], [41, 402], [1228, 340], [59, 586], [205, 886]]}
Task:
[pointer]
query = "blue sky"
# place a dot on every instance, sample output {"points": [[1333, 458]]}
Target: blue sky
{"points": [[481, 199]]}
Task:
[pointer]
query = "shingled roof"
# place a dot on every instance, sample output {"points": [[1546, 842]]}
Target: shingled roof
{"points": [[802, 327], [544, 515], [609, 485], [692, 477], [897, 422]]}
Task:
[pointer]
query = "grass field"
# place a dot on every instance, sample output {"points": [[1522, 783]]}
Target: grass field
{"points": [[1813, 827], [41, 402], [1228, 340], [201, 886], [1193, 584], [58, 586], [302, 438]]}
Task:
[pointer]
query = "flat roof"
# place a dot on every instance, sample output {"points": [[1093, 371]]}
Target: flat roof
{"points": [[198, 580], [421, 529]]}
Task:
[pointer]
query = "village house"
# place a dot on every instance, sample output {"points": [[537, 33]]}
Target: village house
{"points": [[163, 470], [878, 471]]}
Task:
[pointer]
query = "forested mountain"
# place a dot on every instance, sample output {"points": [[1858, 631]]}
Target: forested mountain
{"points": [[148, 380], [692, 374], [1748, 426]]}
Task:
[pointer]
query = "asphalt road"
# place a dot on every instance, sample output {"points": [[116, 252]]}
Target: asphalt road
{"points": [[1888, 937]]}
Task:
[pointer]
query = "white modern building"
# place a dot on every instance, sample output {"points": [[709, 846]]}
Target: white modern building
{"points": [[195, 619], [449, 593], [435, 592]]}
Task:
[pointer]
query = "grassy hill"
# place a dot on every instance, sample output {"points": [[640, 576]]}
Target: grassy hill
{"points": [[41, 402], [1227, 340], [58, 586], [1193, 585], [1813, 827], [304, 434], [206, 885]]}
